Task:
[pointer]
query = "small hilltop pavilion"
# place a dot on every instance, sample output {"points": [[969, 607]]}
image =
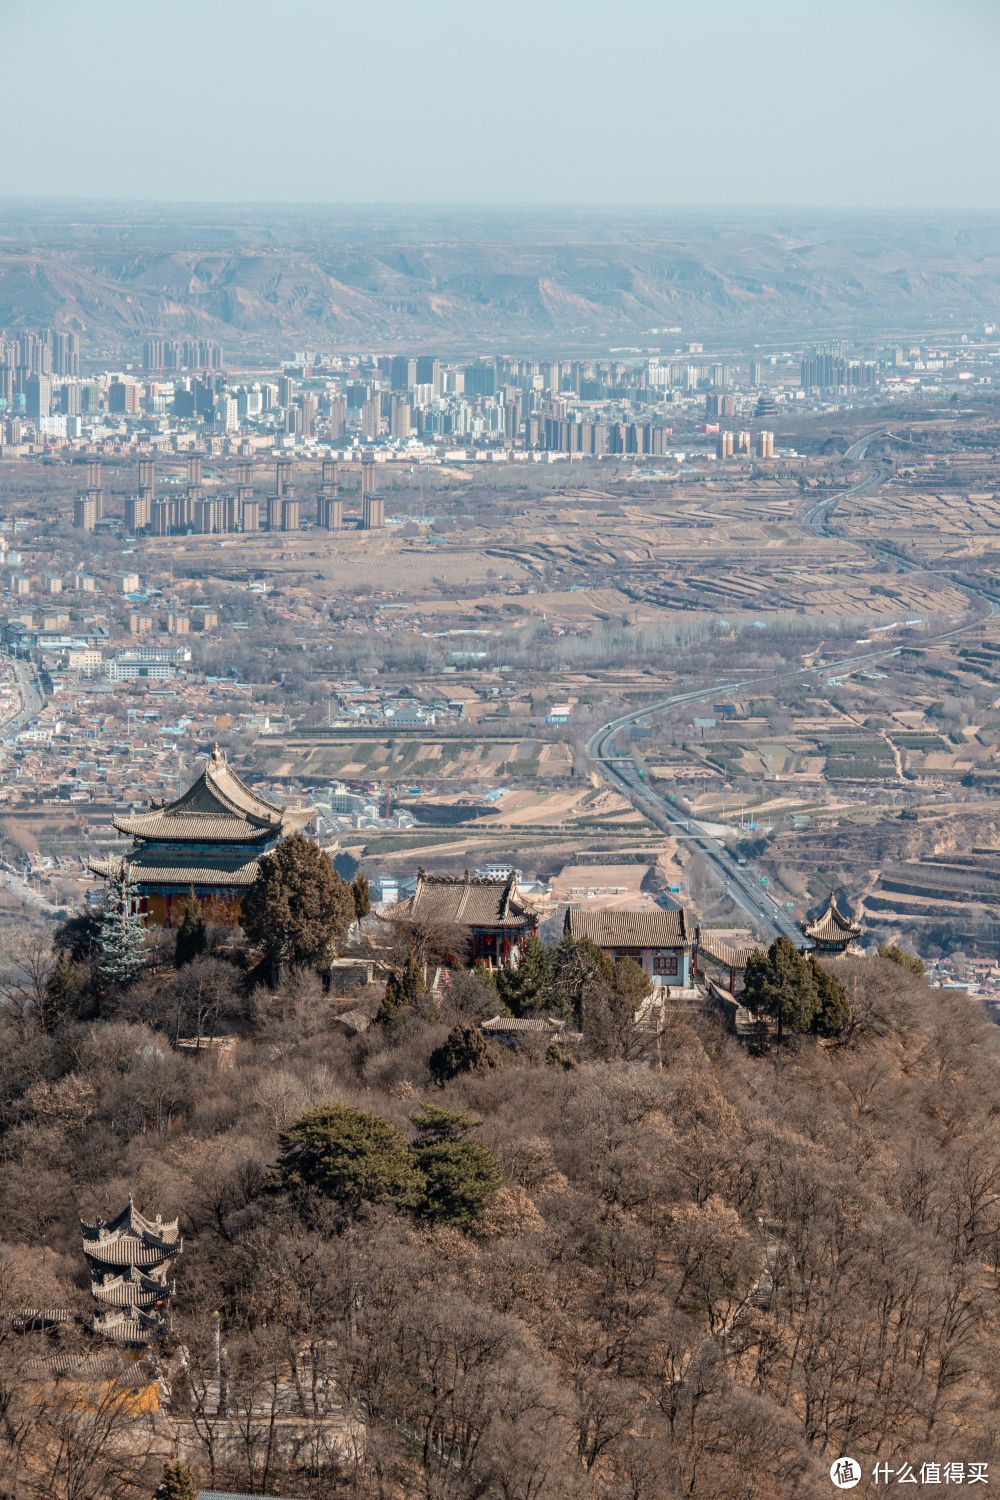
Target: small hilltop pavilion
{"points": [[211, 840], [833, 932]]}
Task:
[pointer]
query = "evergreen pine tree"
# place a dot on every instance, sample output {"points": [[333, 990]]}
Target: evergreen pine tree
{"points": [[178, 1483], [897, 955], [298, 910], [362, 896], [464, 1050], [354, 1158], [528, 988], [403, 989], [832, 1015], [122, 938], [192, 935], [460, 1176], [782, 983], [62, 993]]}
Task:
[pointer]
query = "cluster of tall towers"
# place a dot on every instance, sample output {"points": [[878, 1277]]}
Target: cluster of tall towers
{"points": [[192, 509], [88, 508]]}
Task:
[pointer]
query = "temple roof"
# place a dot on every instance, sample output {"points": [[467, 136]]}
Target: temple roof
{"points": [[217, 808], [131, 1221], [134, 1288], [162, 868], [465, 901], [126, 1325], [832, 926], [652, 928], [130, 1239], [734, 955]]}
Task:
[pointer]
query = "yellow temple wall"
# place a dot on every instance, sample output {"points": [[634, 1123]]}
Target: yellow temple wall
{"points": [[162, 909]]}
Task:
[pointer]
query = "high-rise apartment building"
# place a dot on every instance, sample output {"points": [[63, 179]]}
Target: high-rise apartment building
{"points": [[401, 420], [123, 397], [38, 396], [138, 513], [402, 373], [371, 416], [84, 512], [372, 512], [338, 418]]}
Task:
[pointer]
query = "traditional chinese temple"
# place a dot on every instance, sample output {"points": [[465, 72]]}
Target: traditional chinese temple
{"points": [[833, 931], [211, 840], [130, 1259], [487, 915], [657, 940]]}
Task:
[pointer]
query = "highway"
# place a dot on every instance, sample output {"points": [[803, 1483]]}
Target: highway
{"points": [[32, 697], [767, 917]]}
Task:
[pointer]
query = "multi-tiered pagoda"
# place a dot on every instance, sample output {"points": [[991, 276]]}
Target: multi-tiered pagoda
{"points": [[131, 1258], [833, 931], [211, 840]]}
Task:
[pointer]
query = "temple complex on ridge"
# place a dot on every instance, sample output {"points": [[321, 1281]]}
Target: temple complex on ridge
{"points": [[833, 931], [130, 1259], [211, 840]]}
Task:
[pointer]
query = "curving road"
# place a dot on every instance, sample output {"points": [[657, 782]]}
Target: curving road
{"points": [[765, 915]]}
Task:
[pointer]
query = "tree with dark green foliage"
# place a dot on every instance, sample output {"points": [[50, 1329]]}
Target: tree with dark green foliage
{"points": [[79, 935], [298, 910], [178, 1483], [434, 1125], [781, 983], [832, 1015], [192, 934], [361, 896], [464, 1050], [528, 989], [403, 989], [897, 955], [356, 1159], [460, 1178], [62, 994]]}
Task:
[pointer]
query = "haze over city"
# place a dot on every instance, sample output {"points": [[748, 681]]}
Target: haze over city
{"points": [[651, 102]]}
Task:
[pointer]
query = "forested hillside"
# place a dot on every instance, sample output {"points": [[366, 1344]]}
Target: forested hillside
{"points": [[530, 1275]]}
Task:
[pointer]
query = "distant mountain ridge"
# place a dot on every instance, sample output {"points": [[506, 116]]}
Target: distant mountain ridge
{"points": [[486, 278]]}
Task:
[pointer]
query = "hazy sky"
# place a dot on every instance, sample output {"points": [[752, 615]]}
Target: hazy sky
{"points": [[815, 102]]}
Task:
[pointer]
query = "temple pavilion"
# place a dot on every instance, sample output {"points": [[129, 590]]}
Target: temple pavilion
{"points": [[211, 840], [486, 918], [130, 1259], [833, 931]]}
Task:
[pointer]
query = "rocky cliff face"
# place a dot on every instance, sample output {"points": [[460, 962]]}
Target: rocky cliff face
{"points": [[488, 279]]}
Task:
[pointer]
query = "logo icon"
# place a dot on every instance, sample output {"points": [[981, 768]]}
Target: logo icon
{"points": [[845, 1473]]}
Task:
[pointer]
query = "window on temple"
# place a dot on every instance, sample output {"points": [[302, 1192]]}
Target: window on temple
{"points": [[665, 963]]}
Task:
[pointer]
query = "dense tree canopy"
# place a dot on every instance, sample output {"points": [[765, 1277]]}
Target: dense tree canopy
{"points": [[647, 1264], [298, 910], [357, 1159], [796, 991]]}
